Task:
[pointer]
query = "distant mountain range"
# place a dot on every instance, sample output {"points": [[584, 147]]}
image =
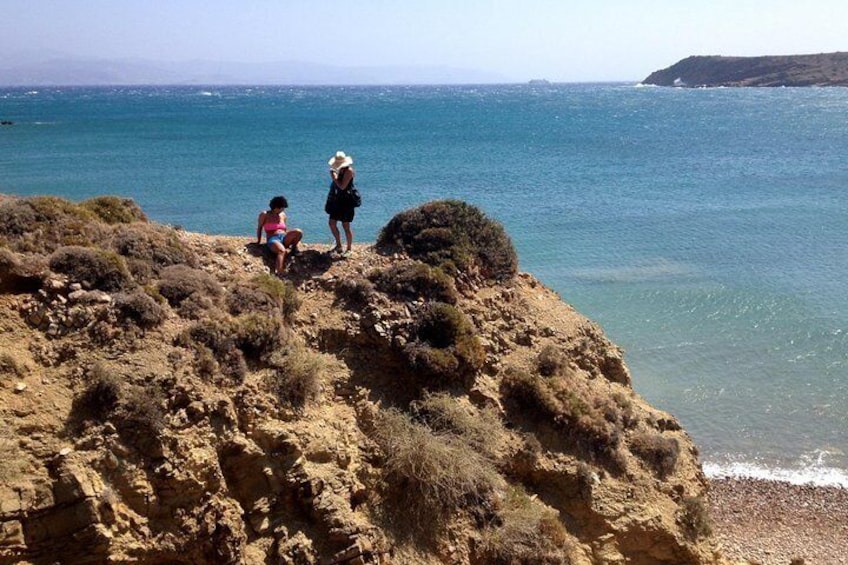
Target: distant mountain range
{"points": [[64, 71], [825, 69]]}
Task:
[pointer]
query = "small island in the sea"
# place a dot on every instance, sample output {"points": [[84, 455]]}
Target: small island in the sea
{"points": [[824, 69]]}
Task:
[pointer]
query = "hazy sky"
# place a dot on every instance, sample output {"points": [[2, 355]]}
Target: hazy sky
{"points": [[560, 40]]}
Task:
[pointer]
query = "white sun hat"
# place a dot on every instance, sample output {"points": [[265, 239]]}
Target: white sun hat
{"points": [[340, 161]]}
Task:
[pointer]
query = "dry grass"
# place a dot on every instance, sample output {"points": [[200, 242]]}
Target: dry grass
{"points": [[482, 430], [435, 473], [525, 532], [296, 379], [694, 517], [13, 461]]}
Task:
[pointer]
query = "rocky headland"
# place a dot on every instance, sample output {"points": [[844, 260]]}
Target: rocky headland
{"points": [[826, 69], [164, 399]]}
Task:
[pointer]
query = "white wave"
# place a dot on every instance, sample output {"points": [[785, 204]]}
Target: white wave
{"points": [[811, 470]]}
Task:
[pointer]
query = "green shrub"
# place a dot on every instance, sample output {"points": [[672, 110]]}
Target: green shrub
{"points": [[436, 474], [114, 210], [181, 282], [220, 339], [416, 281], [525, 533], [296, 379], [140, 309], [660, 452], [94, 268], [444, 348], [454, 236]]}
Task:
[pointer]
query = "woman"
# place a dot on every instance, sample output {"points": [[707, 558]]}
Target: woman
{"points": [[341, 203], [280, 240]]}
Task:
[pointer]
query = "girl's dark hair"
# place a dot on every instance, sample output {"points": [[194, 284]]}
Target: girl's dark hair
{"points": [[279, 202]]}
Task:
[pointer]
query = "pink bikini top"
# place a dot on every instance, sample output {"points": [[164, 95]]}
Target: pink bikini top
{"points": [[271, 228]]}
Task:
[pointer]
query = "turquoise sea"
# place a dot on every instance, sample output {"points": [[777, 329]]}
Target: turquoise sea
{"points": [[706, 230]]}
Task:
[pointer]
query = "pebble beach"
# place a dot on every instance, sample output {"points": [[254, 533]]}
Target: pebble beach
{"points": [[778, 523]]}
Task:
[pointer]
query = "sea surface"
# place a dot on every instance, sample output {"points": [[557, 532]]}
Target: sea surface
{"points": [[706, 230]]}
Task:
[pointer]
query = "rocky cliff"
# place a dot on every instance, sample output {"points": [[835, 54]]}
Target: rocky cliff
{"points": [[163, 399], [827, 69]]}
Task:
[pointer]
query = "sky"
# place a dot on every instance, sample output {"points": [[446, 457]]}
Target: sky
{"points": [[519, 40]]}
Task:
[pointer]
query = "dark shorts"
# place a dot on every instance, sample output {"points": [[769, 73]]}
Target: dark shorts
{"points": [[343, 213]]}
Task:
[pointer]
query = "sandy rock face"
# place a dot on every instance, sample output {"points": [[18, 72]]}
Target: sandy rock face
{"points": [[344, 417]]}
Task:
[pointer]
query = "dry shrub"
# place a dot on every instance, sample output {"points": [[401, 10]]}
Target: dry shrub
{"points": [[694, 517], [264, 293], [552, 361], [179, 283], [42, 224], [93, 268], [444, 349], [149, 247], [572, 407], [232, 342], [525, 532], [656, 450], [482, 430], [454, 236], [356, 291], [20, 274], [114, 210], [296, 379], [139, 309], [100, 397], [416, 281], [436, 473]]}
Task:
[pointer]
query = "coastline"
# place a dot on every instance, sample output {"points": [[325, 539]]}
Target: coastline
{"points": [[774, 522]]}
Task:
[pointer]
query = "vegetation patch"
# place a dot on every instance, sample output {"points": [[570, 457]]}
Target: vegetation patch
{"points": [[42, 224], [190, 290], [445, 348], [416, 281], [139, 309], [590, 421], [93, 268], [659, 452], [150, 247], [525, 532], [481, 429], [296, 376], [454, 236], [694, 517], [114, 210], [435, 473], [264, 293]]}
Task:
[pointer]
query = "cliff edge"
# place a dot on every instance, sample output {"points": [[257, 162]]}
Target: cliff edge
{"points": [[164, 399], [826, 69]]}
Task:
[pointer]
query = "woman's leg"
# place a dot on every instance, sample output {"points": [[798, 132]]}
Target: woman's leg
{"points": [[292, 238], [280, 260], [348, 235], [334, 229]]}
